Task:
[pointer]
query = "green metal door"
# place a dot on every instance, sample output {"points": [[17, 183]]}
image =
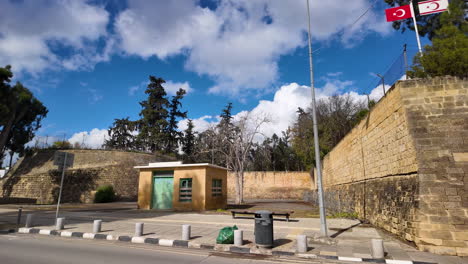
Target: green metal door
{"points": [[163, 188]]}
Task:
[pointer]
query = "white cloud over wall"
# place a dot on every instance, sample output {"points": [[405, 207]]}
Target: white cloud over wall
{"points": [[90, 139], [282, 109]]}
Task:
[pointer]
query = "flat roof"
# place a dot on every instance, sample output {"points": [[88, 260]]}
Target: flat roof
{"points": [[177, 164]]}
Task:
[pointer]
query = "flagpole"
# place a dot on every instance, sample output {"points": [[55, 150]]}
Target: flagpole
{"points": [[323, 220], [413, 14]]}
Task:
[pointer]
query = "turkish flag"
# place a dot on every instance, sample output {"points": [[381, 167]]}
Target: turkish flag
{"points": [[398, 13]]}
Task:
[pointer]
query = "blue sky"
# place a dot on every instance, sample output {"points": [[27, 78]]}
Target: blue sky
{"points": [[89, 61]]}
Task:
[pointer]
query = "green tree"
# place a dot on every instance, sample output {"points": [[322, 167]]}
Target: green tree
{"points": [[174, 135], [62, 144], [427, 24], [336, 116], [153, 124], [121, 135], [448, 54], [19, 109], [188, 146]]}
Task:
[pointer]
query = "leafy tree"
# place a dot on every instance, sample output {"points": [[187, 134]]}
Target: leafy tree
{"points": [[153, 123], [19, 110], [427, 24], [336, 116], [448, 54], [63, 144], [121, 135], [174, 135], [188, 145]]}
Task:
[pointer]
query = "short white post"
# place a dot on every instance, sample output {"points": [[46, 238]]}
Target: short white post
{"points": [[139, 229], [60, 224], [186, 230], [97, 226], [238, 238], [302, 243], [29, 220], [377, 248]]}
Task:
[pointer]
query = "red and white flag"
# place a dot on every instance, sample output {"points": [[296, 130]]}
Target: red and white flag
{"points": [[432, 6], [398, 13]]}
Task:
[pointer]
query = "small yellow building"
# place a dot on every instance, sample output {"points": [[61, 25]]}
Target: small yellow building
{"points": [[177, 186]]}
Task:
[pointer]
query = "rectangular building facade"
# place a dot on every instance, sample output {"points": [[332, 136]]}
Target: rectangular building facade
{"points": [[186, 187]]}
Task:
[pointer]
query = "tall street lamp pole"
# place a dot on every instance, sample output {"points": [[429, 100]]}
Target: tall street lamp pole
{"points": [[323, 220]]}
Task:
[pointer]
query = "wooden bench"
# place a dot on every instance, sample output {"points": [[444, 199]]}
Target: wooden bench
{"points": [[285, 214]]}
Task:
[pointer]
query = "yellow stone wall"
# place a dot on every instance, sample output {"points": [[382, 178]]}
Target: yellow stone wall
{"points": [[271, 185]]}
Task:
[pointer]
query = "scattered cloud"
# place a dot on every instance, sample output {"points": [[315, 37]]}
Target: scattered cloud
{"points": [[31, 31], [238, 43], [95, 96]]}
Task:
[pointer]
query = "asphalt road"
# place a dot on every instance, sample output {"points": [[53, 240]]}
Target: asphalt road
{"points": [[18, 249]]}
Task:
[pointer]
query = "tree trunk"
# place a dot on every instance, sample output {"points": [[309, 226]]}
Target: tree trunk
{"points": [[11, 159], [5, 132]]}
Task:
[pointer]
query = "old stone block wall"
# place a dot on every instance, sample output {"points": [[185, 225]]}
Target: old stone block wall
{"points": [[37, 178], [405, 167], [437, 112], [272, 185]]}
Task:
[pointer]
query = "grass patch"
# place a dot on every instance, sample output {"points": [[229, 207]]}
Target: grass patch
{"points": [[346, 215]]}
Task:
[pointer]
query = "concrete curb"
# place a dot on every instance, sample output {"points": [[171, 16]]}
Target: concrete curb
{"points": [[217, 247]]}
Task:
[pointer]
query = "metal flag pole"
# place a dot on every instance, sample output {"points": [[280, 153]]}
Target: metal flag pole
{"points": [[61, 186], [323, 220], [413, 15]]}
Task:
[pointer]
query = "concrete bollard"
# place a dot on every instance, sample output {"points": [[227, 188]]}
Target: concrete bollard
{"points": [[302, 243], [186, 230], [377, 248], [238, 238], [139, 229], [97, 226], [29, 220], [60, 224]]}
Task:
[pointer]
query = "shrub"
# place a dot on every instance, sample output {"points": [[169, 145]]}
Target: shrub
{"points": [[104, 194]]}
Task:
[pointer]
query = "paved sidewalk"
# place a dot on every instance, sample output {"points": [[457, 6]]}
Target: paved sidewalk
{"points": [[349, 237]]}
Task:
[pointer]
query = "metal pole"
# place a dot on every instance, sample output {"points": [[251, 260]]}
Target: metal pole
{"points": [[406, 61], [18, 219], [415, 26], [323, 220], [383, 82], [61, 186]]}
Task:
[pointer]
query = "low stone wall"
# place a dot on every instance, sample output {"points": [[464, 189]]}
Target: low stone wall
{"points": [[272, 185], [37, 178]]}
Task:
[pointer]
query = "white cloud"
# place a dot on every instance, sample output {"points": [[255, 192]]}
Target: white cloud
{"points": [[239, 43], [172, 87], [200, 124], [30, 30], [92, 139]]}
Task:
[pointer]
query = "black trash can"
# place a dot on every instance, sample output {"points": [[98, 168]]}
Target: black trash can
{"points": [[264, 229]]}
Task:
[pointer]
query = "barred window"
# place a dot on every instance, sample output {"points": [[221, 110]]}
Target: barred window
{"points": [[185, 191], [217, 188]]}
